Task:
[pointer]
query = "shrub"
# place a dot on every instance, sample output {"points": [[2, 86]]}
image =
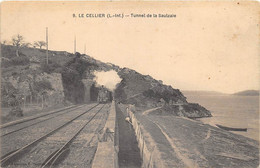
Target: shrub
{"points": [[42, 86], [6, 63], [166, 95], [22, 60], [50, 67], [8, 51], [14, 73]]}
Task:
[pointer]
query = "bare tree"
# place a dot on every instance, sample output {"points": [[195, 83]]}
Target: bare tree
{"points": [[18, 41], [40, 44], [4, 42]]}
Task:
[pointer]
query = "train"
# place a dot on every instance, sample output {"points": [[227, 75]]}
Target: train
{"points": [[104, 95]]}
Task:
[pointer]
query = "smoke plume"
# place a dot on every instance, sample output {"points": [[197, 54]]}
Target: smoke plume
{"points": [[109, 79]]}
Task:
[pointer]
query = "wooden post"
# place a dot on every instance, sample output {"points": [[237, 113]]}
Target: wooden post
{"points": [[47, 55], [75, 44], [85, 48]]}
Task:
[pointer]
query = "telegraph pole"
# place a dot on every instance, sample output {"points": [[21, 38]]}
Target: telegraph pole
{"points": [[85, 48], [47, 56], [75, 45]]}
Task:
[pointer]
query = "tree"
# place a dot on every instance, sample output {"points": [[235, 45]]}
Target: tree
{"points": [[18, 42], [41, 88], [40, 44], [4, 42]]}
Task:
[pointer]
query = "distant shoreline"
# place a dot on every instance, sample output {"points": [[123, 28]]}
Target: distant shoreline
{"points": [[247, 93], [215, 93]]}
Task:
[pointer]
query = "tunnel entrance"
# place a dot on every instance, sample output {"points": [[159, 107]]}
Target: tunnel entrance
{"points": [[98, 93], [94, 92]]}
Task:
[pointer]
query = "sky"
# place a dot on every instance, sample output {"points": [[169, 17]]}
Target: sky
{"points": [[210, 46]]}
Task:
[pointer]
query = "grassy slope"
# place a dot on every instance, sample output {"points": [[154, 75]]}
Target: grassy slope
{"points": [[8, 53]]}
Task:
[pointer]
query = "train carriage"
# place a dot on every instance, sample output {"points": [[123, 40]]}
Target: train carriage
{"points": [[104, 95]]}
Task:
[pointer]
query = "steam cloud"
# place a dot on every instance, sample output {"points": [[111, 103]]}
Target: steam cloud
{"points": [[109, 79]]}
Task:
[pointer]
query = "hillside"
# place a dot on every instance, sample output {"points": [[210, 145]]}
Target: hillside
{"points": [[69, 78], [247, 93]]}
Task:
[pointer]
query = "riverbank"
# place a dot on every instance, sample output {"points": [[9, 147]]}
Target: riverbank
{"points": [[182, 142]]}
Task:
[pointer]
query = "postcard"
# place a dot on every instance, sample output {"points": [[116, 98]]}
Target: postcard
{"points": [[130, 84]]}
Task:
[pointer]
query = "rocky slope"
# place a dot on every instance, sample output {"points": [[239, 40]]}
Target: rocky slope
{"points": [[68, 77], [26, 79], [144, 91]]}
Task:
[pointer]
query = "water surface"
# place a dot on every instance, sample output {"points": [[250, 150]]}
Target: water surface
{"points": [[231, 111]]}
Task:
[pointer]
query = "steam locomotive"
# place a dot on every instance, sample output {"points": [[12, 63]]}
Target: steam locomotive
{"points": [[104, 95]]}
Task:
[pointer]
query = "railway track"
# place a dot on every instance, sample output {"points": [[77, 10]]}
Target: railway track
{"points": [[54, 157], [33, 117], [16, 154], [23, 137], [35, 120], [83, 149]]}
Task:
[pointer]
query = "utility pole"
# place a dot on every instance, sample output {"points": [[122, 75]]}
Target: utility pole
{"points": [[75, 44], [85, 48], [47, 56]]}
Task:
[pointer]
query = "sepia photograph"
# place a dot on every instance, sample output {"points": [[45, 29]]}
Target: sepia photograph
{"points": [[130, 84]]}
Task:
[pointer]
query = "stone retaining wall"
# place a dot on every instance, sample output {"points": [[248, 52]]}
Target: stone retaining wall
{"points": [[148, 153]]}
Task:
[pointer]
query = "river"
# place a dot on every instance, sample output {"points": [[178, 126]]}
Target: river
{"points": [[231, 111]]}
